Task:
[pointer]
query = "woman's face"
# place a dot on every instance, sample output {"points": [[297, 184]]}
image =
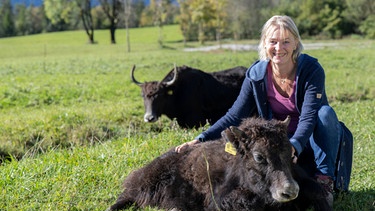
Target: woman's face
{"points": [[280, 47]]}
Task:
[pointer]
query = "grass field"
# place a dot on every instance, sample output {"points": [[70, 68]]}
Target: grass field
{"points": [[71, 121]]}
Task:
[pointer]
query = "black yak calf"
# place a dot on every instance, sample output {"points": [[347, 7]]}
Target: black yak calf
{"points": [[253, 172]]}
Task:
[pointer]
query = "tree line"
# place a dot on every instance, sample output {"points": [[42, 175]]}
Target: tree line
{"points": [[199, 20]]}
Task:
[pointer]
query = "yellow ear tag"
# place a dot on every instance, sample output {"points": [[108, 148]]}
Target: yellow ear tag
{"points": [[230, 149]]}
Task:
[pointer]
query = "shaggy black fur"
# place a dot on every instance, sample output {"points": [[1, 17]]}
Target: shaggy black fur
{"points": [[205, 177]]}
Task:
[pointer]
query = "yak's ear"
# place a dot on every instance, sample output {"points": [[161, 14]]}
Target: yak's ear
{"points": [[228, 135], [235, 136], [237, 132]]}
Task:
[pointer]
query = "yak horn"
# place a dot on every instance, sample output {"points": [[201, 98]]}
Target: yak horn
{"points": [[171, 82], [286, 121], [132, 76]]}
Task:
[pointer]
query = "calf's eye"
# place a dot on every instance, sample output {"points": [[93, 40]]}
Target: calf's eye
{"points": [[259, 158]]}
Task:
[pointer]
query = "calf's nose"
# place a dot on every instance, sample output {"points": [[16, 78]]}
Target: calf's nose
{"points": [[288, 192]]}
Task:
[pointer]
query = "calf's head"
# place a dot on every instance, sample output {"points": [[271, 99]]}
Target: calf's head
{"points": [[156, 95], [265, 154]]}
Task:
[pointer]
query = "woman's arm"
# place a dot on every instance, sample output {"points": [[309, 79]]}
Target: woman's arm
{"points": [[310, 91]]}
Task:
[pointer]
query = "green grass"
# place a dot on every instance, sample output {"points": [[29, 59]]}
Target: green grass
{"points": [[71, 121]]}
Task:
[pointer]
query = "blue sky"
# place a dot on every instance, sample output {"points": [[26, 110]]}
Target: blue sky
{"points": [[27, 2]]}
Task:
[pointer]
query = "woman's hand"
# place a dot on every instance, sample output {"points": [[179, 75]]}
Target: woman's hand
{"points": [[186, 145], [294, 156]]}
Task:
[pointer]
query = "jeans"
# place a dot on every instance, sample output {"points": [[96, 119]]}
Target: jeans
{"points": [[320, 154]]}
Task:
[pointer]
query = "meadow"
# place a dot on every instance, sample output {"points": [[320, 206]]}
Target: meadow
{"points": [[71, 120]]}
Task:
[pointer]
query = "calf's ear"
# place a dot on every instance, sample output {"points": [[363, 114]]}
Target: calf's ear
{"points": [[228, 135], [229, 139], [235, 136], [237, 132]]}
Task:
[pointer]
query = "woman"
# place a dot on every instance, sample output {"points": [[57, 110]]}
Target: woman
{"points": [[286, 82]]}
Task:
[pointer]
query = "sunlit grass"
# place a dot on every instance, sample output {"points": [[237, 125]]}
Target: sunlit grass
{"points": [[70, 111]]}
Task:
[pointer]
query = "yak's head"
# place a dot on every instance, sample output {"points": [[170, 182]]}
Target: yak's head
{"points": [[264, 156], [156, 95]]}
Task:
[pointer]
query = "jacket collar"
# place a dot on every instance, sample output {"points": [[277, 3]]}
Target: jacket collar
{"points": [[257, 70]]}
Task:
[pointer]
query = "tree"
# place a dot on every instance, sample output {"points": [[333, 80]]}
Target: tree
{"points": [[159, 9], [146, 17], [237, 15], [361, 14], [7, 27], [59, 12], [100, 20], [321, 17], [367, 27], [37, 19], [185, 20], [217, 19], [291, 8], [21, 21], [127, 11], [332, 18], [112, 9], [135, 16], [220, 21], [86, 17], [202, 13]]}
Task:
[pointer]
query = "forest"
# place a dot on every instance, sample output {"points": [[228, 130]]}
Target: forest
{"points": [[199, 20]]}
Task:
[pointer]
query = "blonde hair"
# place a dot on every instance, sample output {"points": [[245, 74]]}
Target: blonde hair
{"points": [[286, 25]]}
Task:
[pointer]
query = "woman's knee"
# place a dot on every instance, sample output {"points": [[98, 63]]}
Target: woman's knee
{"points": [[327, 115]]}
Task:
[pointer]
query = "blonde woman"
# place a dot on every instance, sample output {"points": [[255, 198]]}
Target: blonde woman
{"points": [[284, 82]]}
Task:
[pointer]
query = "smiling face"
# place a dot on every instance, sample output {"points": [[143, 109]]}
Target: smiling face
{"points": [[280, 28], [280, 46]]}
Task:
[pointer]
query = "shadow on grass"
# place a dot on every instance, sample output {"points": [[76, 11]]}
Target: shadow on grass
{"points": [[355, 200], [360, 94], [168, 47]]}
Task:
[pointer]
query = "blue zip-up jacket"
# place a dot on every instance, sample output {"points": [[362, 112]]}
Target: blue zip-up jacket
{"points": [[252, 100]]}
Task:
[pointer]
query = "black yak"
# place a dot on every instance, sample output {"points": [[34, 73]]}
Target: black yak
{"points": [[250, 168], [191, 96]]}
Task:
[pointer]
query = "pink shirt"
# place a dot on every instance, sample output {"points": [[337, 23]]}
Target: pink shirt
{"points": [[282, 106]]}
